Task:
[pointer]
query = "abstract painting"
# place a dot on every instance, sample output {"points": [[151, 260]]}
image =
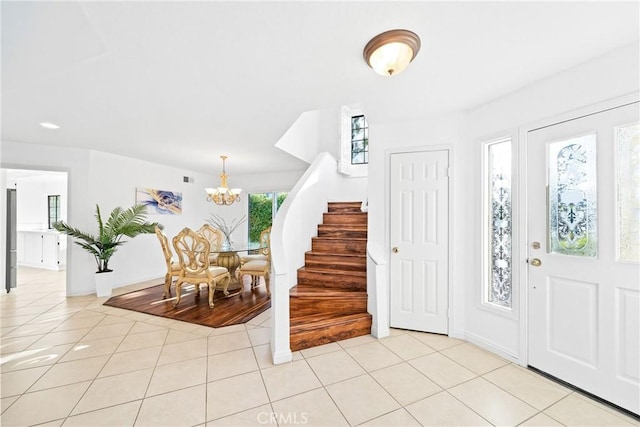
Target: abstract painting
{"points": [[160, 201]]}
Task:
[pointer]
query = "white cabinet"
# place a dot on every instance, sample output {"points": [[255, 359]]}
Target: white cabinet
{"points": [[41, 249]]}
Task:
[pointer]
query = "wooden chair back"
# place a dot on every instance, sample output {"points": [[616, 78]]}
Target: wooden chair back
{"points": [[192, 251], [213, 235]]}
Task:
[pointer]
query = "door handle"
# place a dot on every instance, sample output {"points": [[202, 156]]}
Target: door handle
{"points": [[536, 262], [394, 250]]}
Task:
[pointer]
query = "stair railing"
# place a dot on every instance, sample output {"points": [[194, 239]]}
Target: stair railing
{"points": [[293, 227]]}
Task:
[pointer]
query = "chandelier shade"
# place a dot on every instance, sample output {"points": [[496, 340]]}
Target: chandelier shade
{"points": [[223, 195], [391, 52]]}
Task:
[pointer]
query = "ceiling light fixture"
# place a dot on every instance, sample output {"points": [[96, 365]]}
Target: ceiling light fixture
{"points": [[390, 52], [223, 195], [49, 125]]}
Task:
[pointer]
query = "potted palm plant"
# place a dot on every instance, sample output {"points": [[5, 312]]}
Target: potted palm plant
{"points": [[121, 223]]}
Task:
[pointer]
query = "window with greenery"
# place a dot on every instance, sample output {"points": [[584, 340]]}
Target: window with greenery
{"points": [[54, 209], [262, 209], [359, 140]]}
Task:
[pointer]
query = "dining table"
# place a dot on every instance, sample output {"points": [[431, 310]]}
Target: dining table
{"points": [[231, 260]]}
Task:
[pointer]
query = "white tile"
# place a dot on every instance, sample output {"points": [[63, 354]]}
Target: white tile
{"points": [[93, 348], [18, 382], [228, 330], [406, 347], [42, 406], [129, 361], [114, 390], [236, 394], [232, 363], [185, 407], [32, 358], [7, 401], [107, 331], [178, 375], [228, 342], [405, 383], [442, 409], [361, 399], [59, 338], [494, 404], [435, 341], [352, 342], [71, 372], [321, 349], [442, 370], [335, 366], [143, 340], [474, 359], [313, 408], [176, 336], [259, 336], [528, 386], [263, 356], [116, 416], [186, 350], [397, 418], [540, 420], [289, 379], [574, 411], [258, 416], [373, 356], [16, 344]]}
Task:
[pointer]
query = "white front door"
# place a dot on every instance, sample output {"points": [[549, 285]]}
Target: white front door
{"points": [[419, 237], [583, 189]]}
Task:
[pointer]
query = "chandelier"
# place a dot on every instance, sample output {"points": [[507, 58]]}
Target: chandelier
{"points": [[223, 195]]}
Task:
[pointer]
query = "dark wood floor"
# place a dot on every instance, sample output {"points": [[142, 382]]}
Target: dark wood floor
{"points": [[238, 308]]}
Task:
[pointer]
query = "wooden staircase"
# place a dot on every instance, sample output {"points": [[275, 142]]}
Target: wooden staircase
{"points": [[329, 303]]}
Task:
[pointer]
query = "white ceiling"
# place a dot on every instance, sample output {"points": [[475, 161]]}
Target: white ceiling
{"points": [[181, 83]]}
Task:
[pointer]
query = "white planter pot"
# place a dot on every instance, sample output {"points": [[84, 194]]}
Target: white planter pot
{"points": [[104, 284]]}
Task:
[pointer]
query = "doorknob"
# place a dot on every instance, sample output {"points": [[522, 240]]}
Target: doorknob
{"points": [[394, 250], [536, 262]]}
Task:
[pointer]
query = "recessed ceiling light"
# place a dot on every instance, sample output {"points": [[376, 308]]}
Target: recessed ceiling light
{"points": [[49, 125]]}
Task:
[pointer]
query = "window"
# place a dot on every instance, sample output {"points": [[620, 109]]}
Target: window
{"points": [[498, 224], [354, 142], [359, 140], [262, 209], [54, 209]]}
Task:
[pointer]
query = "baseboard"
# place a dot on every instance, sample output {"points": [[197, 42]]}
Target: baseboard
{"points": [[490, 346], [380, 333], [282, 357]]}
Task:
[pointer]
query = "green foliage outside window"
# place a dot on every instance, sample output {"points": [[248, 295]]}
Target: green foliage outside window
{"points": [[261, 212]]}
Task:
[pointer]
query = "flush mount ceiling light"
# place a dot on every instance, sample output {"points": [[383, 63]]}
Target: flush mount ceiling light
{"points": [[390, 52], [49, 125], [223, 195]]}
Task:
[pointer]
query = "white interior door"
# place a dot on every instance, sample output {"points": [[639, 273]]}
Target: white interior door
{"points": [[419, 237], [583, 189]]}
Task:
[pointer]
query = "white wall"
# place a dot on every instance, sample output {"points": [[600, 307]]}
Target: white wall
{"points": [[32, 212], [110, 180], [441, 130], [603, 78]]}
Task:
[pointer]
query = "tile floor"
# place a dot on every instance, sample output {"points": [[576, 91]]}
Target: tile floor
{"points": [[73, 362]]}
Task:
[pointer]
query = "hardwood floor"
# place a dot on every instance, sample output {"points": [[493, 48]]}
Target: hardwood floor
{"points": [[227, 311]]}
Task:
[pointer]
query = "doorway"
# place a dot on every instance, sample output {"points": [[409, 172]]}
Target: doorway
{"points": [[39, 199], [583, 291], [419, 240]]}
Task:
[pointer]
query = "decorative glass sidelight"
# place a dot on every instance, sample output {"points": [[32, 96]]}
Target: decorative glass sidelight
{"points": [[572, 197], [628, 212], [500, 225]]}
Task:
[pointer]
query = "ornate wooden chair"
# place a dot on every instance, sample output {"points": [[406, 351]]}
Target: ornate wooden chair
{"points": [[193, 255], [173, 268], [215, 238], [258, 265]]}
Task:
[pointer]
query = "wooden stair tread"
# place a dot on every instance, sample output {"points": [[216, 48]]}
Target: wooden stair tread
{"points": [[333, 271], [318, 321], [339, 239], [317, 292]]}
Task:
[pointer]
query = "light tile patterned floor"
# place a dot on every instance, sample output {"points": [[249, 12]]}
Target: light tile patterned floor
{"points": [[73, 362]]}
